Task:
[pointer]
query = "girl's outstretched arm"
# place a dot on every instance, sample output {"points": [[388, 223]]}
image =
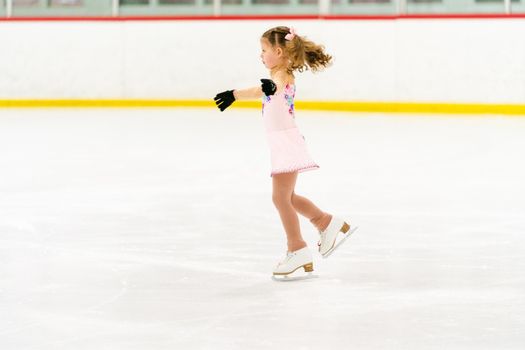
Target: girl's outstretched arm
{"points": [[224, 99], [248, 93]]}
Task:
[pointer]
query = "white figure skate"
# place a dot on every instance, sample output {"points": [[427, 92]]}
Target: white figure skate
{"points": [[327, 243], [285, 270]]}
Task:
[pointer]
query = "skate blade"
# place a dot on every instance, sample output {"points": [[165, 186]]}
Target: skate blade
{"points": [[288, 278], [327, 254]]}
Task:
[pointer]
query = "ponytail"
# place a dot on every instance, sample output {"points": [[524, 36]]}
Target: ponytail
{"points": [[303, 54]]}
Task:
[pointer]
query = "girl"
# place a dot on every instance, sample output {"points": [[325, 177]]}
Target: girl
{"points": [[283, 52]]}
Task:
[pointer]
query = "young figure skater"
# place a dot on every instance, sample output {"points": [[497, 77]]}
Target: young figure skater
{"points": [[283, 52]]}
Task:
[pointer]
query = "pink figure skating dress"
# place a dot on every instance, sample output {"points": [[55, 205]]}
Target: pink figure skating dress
{"points": [[288, 151]]}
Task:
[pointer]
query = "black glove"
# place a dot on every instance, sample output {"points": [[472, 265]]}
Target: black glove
{"points": [[224, 99], [268, 87]]}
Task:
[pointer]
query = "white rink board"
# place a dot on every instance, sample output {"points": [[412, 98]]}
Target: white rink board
{"points": [[438, 60]]}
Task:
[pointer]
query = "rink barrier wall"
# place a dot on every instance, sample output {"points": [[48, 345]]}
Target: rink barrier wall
{"points": [[334, 106], [427, 66]]}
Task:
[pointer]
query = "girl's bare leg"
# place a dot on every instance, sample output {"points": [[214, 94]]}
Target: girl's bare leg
{"points": [[306, 208], [283, 187]]}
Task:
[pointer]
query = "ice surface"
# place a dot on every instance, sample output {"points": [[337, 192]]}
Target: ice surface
{"points": [[155, 229]]}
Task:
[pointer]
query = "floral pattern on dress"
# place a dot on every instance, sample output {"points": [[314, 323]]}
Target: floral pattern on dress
{"points": [[265, 99], [289, 94]]}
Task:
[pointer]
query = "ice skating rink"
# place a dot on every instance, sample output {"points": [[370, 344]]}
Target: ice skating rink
{"points": [[155, 229]]}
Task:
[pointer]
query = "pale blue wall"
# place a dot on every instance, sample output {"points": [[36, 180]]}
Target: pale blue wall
{"points": [[204, 7]]}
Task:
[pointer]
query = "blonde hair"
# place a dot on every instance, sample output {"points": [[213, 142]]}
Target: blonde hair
{"points": [[303, 54]]}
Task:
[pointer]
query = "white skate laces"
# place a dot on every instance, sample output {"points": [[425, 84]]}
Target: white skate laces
{"points": [[286, 258]]}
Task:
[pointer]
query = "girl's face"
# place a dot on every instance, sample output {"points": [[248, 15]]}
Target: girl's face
{"points": [[270, 57]]}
